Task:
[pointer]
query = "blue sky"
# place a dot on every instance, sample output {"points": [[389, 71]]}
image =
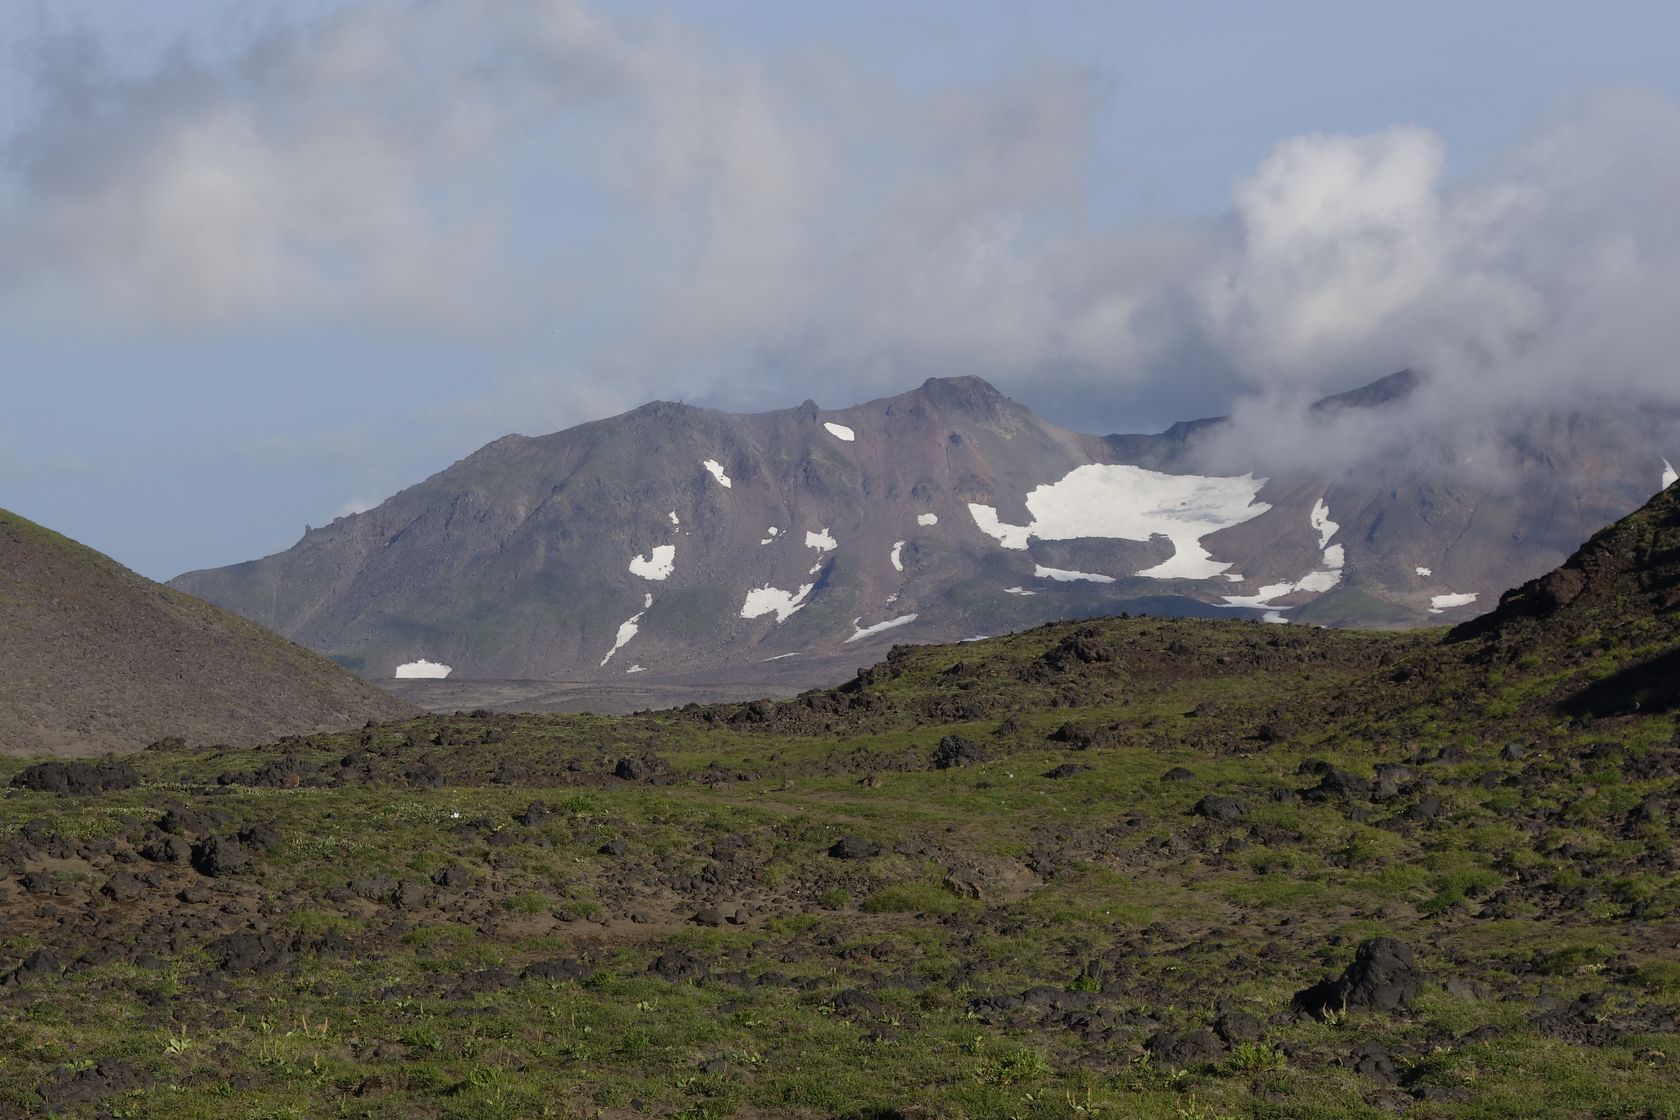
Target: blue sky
{"points": [[263, 262]]}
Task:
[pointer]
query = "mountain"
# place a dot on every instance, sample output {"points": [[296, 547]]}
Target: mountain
{"points": [[96, 658], [684, 542]]}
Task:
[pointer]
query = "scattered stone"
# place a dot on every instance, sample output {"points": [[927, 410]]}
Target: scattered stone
{"points": [[1186, 1048], [216, 856], [123, 887], [1383, 977], [1238, 1026], [1222, 809], [955, 750], [76, 779], [853, 847], [1372, 1060]]}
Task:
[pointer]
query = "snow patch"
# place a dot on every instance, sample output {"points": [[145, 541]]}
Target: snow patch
{"points": [[1262, 599], [626, 630], [1332, 558], [840, 431], [673, 516], [1274, 617], [1320, 519], [1064, 575], [821, 541], [656, 565], [1130, 503], [717, 472], [1423, 572], [773, 600], [635, 669], [1440, 603], [927, 519], [859, 633], [422, 670], [1670, 475], [778, 657], [898, 556], [647, 600], [1018, 591]]}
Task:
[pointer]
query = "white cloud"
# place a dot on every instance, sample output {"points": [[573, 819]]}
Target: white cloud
{"points": [[737, 228]]}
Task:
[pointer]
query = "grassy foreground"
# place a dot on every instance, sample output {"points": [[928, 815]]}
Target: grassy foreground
{"points": [[1081, 871]]}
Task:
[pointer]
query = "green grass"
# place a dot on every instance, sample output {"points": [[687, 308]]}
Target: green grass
{"points": [[856, 987]]}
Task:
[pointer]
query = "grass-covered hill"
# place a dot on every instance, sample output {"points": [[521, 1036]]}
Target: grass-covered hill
{"points": [[1128, 868], [96, 658]]}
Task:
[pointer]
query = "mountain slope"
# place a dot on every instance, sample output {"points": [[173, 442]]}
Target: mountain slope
{"points": [[1607, 620], [679, 541], [96, 658]]}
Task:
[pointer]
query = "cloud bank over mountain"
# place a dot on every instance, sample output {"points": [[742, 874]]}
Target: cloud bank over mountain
{"points": [[622, 207]]}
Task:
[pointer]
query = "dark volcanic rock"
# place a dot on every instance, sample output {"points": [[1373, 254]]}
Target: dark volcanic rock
{"points": [[74, 1089], [853, 847], [955, 750], [1186, 1048], [77, 778], [216, 856], [1223, 809], [1382, 977]]}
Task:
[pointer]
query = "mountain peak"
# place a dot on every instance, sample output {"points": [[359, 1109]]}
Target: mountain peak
{"points": [[974, 396]]}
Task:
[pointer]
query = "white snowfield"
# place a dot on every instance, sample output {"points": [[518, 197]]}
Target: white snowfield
{"points": [[773, 600], [626, 630], [860, 633], [840, 431], [1332, 559], [1018, 591], [821, 541], [674, 520], [1064, 575], [898, 556], [422, 670], [1130, 503], [717, 472], [635, 669], [1320, 519], [1425, 572], [1670, 476], [925, 519], [1440, 603], [657, 565]]}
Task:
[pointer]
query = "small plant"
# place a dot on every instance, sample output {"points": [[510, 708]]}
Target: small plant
{"points": [[175, 1044], [1250, 1058], [1017, 1066], [1190, 1109], [834, 898]]}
